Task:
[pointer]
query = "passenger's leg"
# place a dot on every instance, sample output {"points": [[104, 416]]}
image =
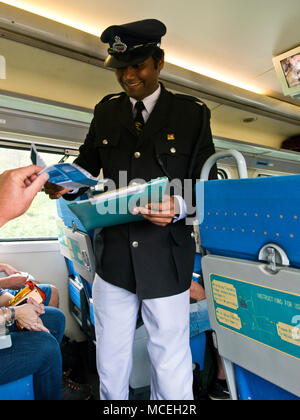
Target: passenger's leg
{"points": [[54, 300], [38, 354], [52, 296], [54, 320], [34, 353], [167, 324], [115, 311]]}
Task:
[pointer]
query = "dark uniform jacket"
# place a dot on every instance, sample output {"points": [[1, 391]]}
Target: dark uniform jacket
{"points": [[141, 257]]}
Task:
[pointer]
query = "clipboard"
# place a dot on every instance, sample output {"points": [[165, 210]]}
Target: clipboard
{"points": [[115, 207]]}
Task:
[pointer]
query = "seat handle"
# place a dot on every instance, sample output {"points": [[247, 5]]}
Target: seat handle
{"points": [[240, 161]]}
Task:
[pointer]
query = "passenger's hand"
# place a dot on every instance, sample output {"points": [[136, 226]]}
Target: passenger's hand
{"points": [[197, 292], [28, 315], [8, 269], [55, 191], [18, 187], [15, 281], [161, 214]]}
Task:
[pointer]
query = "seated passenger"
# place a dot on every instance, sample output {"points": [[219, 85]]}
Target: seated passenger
{"points": [[199, 322], [16, 280], [35, 351]]}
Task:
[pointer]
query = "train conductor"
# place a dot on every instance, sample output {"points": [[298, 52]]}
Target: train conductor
{"points": [[148, 132]]}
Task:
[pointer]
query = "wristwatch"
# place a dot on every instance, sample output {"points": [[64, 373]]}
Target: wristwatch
{"points": [[3, 324], [12, 317]]}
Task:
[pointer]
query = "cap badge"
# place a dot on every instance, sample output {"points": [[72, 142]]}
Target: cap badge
{"points": [[119, 46]]}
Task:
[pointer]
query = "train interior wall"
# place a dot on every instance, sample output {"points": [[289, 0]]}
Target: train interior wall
{"points": [[40, 74]]}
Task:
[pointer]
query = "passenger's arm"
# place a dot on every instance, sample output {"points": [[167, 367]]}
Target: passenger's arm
{"points": [[18, 187], [15, 281], [8, 269], [28, 315]]}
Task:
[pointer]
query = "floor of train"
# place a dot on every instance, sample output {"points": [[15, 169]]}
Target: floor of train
{"points": [[87, 373], [91, 378]]}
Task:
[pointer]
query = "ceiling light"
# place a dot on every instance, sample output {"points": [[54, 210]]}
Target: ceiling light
{"points": [[214, 75], [42, 11], [57, 17]]}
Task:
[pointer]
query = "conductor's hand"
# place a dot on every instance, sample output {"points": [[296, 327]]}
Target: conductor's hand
{"points": [[55, 191], [161, 214]]}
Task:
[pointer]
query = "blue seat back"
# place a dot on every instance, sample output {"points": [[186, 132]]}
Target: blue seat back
{"points": [[237, 218], [22, 389], [67, 215], [253, 387], [76, 246], [241, 216]]}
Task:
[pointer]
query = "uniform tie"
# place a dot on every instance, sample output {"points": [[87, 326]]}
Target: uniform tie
{"points": [[139, 120]]}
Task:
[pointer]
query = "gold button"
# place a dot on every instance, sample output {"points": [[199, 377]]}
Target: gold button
{"points": [[105, 142], [173, 150], [137, 155], [135, 244]]}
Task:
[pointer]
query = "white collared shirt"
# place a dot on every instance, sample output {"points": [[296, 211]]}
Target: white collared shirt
{"points": [[149, 103]]}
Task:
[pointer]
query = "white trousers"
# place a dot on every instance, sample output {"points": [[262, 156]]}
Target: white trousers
{"points": [[167, 323]]}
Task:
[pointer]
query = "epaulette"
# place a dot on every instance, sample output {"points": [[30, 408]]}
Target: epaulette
{"points": [[189, 98], [112, 95]]}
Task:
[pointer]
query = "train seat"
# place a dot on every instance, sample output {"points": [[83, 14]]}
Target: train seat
{"points": [[77, 248], [67, 215], [251, 235], [201, 323], [253, 387], [252, 212], [22, 389]]}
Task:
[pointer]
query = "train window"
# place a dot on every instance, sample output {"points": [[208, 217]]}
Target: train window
{"points": [[39, 222]]}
